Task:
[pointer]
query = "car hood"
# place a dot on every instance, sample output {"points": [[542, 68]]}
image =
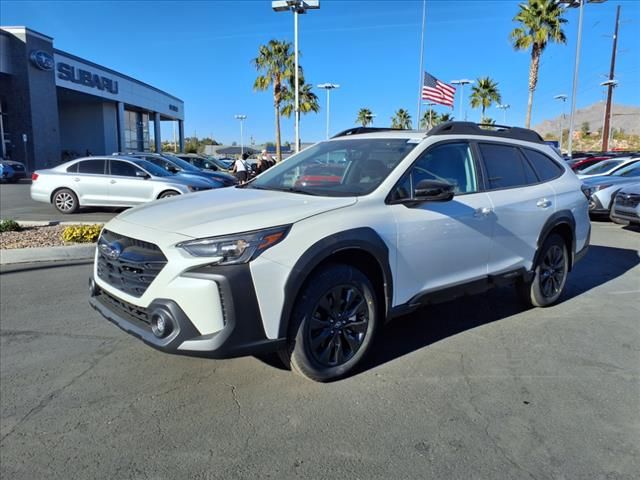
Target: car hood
{"points": [[10, 163], [606, 179], [230, 210], [185, 180]]}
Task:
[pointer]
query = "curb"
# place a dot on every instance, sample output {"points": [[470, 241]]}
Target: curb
{"points": [[47, 254]]}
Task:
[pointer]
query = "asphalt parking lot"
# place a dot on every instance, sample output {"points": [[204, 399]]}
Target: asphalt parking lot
{"points": [[472, 389], [16, 203]]}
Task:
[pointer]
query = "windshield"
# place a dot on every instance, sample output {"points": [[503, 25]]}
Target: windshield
{"points": [[631, 170], [601, 167], [154, 170], [338, 168], [181, 163]]}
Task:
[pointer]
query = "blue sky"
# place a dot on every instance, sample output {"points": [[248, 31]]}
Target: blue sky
{"points": [[201, 51]]}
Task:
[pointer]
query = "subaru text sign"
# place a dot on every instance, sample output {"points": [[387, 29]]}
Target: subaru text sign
{"points": [[42, 60], [84, 77]]}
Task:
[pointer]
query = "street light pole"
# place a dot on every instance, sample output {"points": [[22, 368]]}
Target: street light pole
{"points": [[504, 108], [462, 83], [328, 87], [563, 98], [241, 118], [574, 92], [297, 7], [430, 105], [610, 86]]}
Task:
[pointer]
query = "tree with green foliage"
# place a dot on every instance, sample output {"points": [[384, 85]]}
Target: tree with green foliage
{"points": [[401, 119], [430, 118], [275, 62], [308, 101], [365, 117], [445, 117], [484, 93], [540, 23]]}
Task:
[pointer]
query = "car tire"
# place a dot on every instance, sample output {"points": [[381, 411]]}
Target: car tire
{"points": [[65, 201], [327, 340], [549, 274], [169, 193]]}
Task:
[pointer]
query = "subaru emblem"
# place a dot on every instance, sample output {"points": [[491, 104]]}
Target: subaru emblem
{"points": [[42, 60], [111, 250]]}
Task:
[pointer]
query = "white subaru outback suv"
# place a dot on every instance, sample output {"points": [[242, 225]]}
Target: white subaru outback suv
{"points": [[311, 258]]}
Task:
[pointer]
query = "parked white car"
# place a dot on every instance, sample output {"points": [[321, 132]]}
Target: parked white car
{"points": [[311, 266], [108, 182], [607, 167]]}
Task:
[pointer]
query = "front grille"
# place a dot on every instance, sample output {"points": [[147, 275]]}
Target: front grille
{"points": [[628, 199], [623, 213], [128, 264], [124, 309]]}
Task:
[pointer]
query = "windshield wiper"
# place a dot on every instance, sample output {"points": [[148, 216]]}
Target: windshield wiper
{"points": [[279, 189]]}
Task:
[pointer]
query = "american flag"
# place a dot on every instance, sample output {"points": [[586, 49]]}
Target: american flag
{"points": [[437, 91]]}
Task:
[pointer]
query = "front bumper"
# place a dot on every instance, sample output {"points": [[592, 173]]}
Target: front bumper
{"points": [[242, 332]]}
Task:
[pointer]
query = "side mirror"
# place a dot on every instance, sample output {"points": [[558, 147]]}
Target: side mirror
{"points": [[433, 191], [142, 174], [172, 169]]}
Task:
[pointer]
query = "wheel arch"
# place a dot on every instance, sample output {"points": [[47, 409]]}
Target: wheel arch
{"points": [[563, 223], [360, 247], [167, 190], [53, 194]]}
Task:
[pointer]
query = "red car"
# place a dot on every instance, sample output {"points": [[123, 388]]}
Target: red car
{"points": [[582, 163], [318, 175]]}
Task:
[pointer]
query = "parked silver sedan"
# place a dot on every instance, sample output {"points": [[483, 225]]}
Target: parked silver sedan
{"points": [[108, 182], [626, 205]]}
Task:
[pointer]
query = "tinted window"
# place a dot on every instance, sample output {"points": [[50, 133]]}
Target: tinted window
{"points": [[73, 168], [123, 169], [505, 166], [91, 166], [451, 162], [546, 168]]}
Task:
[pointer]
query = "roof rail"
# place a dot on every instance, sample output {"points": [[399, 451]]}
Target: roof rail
{"points": [[359, 130], [470, 128]]}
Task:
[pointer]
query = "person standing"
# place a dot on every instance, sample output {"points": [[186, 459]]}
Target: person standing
{"points": [[241, 168]]}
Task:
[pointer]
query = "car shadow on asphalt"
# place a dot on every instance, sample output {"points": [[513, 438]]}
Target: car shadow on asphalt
{"points": [[433, 323]]}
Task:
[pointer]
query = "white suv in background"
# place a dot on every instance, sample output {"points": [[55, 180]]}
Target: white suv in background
{"points": [[313, 256]]}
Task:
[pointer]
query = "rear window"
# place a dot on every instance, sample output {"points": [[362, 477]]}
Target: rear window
{"points": [[506, 167], [546, 168], [91, 166]]}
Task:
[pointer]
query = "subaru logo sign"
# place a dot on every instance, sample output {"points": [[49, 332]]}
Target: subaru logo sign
{"points": [[111, 250], [42, 60]]}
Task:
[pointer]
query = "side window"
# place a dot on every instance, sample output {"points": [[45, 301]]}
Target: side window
{"points": [[546, 168], [506, 168], [73, 168], [123, 169], [95, 167]]}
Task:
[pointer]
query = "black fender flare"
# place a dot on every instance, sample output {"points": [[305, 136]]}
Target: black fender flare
{"points": [[561, 217], [363, 238]]}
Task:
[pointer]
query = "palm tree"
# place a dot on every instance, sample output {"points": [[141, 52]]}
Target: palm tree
{"points": [[308, 101], [401, 119], [365, 117], [275, 62], [484, 93], [446, 117], [429, 119], [540, 23]]}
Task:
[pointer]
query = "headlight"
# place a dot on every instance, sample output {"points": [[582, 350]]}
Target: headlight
{"points": [[238, 248], [197, 189], [588, 191]]}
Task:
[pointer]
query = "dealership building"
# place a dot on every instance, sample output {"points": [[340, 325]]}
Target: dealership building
{"points": [[56, 106]]}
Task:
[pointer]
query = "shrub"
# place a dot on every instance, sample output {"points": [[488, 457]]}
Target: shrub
{"points": [[82, 233], [9, 225]]}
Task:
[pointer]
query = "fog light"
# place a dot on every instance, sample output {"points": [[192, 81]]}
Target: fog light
{"points": [[161, 324]]}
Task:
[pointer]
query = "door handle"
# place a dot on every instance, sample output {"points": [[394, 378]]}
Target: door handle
{"points": [[76, 179], [112, 182], [543, 203], [482, 212]]}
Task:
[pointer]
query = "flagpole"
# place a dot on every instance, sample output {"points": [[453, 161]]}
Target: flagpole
{"points": [[420, 77]]}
